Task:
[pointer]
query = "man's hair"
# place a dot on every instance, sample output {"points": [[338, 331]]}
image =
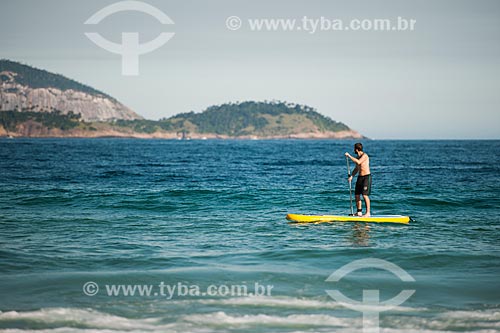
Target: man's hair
{"points": [[358, 146]]}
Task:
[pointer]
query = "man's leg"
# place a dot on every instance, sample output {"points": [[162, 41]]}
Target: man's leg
{"points": [[367, 204], [359, 207]]}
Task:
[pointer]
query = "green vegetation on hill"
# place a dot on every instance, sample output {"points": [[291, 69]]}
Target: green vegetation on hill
{"points": [[260, 119], [145, 126], [245, 119], [39, 78], [256, 118], [11, 119], [242, 119]]}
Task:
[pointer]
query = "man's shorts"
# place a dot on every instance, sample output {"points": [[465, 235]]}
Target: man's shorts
{"points": [[363, 185]]}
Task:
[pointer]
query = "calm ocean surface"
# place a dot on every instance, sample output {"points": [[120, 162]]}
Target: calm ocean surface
{"points": [[201, 213]]}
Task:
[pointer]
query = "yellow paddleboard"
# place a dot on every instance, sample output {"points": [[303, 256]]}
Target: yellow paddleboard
{"points": [[347, 218]]}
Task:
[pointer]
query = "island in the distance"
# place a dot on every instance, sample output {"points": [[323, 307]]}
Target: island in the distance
{"points": [[37, 103]]}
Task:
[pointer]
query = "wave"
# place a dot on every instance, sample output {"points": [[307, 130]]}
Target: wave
{"points": [[290, 303], [305, 320], [314, 316], [54, 319]]}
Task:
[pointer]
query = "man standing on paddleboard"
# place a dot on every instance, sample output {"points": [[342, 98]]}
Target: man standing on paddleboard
{"points": [[364, 181]]}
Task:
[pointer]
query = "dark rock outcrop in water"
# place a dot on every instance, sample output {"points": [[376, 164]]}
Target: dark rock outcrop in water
{"points": [[26, 88]]}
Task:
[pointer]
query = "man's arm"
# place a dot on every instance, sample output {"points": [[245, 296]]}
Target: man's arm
{"points": [[354, 172], [358, 161]]}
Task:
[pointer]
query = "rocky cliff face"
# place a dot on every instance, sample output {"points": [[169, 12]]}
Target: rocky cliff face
{"points": [[17, 94]]}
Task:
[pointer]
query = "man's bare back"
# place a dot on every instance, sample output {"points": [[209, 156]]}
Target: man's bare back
{"points": [[363, 165]]}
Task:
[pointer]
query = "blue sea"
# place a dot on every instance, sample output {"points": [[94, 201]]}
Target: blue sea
{"points": [[126, 235]]}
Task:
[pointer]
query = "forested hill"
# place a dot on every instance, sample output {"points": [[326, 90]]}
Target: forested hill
{"points": [[255, 120], [39, 78], [261, 119], [28, 89]]}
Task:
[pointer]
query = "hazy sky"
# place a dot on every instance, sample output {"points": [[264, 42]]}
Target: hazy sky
{"points": [[441, 80]]}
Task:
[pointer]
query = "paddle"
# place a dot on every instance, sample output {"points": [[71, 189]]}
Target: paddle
{"points": [[350, 186]]}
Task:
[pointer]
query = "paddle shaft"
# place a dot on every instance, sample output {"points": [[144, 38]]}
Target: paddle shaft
{"points": [[350, 186]]}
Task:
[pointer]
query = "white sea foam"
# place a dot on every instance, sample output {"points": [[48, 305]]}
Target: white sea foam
{"points": [[71, 320], [83, 317], [275, 301], [292, 303], [282, 302], [488, 315], [310, 320]]}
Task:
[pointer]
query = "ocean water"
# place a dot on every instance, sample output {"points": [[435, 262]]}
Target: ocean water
{"points": [[82, 214]]}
